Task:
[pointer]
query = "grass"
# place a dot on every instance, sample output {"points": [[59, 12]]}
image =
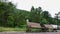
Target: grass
{"points": [[3, 29], [35, 30]]}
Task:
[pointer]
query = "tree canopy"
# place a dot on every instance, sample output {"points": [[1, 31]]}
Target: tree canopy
{"points": [[10, 16]]}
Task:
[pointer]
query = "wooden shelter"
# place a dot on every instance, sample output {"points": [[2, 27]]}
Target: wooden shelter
{"points": [[32, 25], [43, 28], [50, 27]]}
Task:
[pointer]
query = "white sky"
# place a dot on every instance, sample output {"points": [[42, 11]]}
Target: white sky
{"points": [[52, 6]]}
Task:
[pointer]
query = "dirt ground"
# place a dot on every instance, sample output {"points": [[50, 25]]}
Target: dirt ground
{"points": [[29, 33]]}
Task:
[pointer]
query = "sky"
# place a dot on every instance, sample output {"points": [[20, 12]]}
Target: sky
{"points": [[52, 6]]}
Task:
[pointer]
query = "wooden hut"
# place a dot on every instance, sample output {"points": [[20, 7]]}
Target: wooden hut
{"points": [[50, 27], [32, 25], [44, 28]]}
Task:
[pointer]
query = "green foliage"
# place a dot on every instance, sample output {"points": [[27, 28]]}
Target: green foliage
{"points": [[10, 16], [6, 13], [46, 14], [44, 21], [35, 15]]}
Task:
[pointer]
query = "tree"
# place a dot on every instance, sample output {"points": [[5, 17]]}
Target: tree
{"points": [[57, 18], [44, 21], [46, 14], [35, 15], [32, 8], [10, 16], [5, 11]]}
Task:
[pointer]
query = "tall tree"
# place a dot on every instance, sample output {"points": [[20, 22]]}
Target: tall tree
{"points": [[46, 14], [5, 11], [35, 15]]}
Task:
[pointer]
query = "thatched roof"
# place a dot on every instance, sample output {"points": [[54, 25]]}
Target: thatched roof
{"points": [[34, 25]]}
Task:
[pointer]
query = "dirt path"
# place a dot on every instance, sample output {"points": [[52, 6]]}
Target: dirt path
{"points": [[29, 33]]}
